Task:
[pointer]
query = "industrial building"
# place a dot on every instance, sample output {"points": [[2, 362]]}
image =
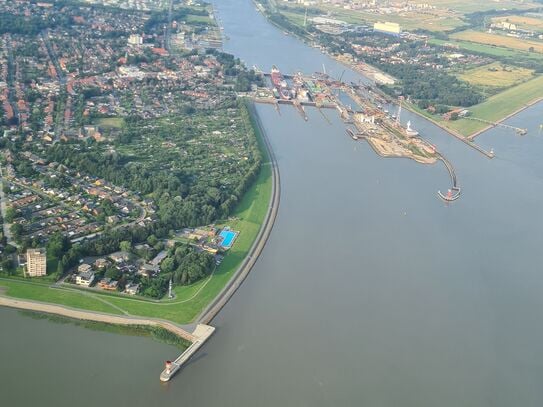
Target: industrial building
{"points": [[388, 28]]}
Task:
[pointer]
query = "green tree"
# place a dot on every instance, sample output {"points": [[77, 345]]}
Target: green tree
{"points": [[167, 265], [152, 240], [125, 246], [58, 245], [10, 214], [112, 273], [17, 230]]}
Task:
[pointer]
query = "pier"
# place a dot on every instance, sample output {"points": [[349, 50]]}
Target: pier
{"points": [[518, 130], [454, 192], [200, 335]]}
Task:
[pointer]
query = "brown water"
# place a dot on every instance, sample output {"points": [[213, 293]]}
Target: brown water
{"points": [[370, 291]]}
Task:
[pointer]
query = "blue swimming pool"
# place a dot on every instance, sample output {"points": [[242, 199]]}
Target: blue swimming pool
{"points": [[227, 237]]}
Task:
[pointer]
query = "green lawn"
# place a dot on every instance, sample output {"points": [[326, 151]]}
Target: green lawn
{"points": [[44, 293], [190, 300], [494, 108]]}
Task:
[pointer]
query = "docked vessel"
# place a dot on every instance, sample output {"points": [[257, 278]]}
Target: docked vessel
{"points": [[279, 83], [410, 131]]}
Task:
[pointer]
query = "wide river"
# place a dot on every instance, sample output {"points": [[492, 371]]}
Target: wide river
{"points": [[370, 292]]}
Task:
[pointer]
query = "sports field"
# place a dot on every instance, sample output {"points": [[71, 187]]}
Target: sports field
{"points": [[499, 40]]}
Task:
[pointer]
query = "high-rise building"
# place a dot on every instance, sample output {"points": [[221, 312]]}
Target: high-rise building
{"points": [[36, 262]]}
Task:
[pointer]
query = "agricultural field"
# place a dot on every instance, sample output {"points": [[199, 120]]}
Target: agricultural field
{"points": [[522, 22], [447, 14], [470, 6], [443, 21], [490, 50], [499, 40], [496, 75]]}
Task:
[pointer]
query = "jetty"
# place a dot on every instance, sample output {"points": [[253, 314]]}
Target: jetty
{"points": [[518, 130], [454, 192], [200, 335]]}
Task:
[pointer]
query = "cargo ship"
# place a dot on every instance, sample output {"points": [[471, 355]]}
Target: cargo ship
{"points": [[279, 83]]}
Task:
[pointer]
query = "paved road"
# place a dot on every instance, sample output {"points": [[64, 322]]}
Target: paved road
{"points": [[3, 207]]}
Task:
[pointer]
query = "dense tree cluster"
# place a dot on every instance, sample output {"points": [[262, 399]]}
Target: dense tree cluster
{"points": [[437, 88], [186, 265], [184, 196]]}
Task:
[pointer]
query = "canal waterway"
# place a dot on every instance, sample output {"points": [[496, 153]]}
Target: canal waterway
{"points": [[370, 292]]}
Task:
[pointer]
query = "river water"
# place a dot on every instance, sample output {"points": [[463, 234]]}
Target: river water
{"points": [[370, 292]]}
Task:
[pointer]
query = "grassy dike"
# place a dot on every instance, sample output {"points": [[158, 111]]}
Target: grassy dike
{"points": [[190, 300], [500, 106]]}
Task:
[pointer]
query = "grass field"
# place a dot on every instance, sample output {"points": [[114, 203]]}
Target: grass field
{"points": [[499, 106], [199, 19], [111, 122], [39, 291], [190, 300], [496, 75], [499, 40]]}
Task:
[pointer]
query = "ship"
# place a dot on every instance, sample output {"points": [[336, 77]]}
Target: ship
{"points": [[410, 131], [279, 83]]}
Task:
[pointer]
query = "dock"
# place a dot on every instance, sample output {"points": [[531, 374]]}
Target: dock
{"points": [[200, 335], [454, 192], [518, 130]]}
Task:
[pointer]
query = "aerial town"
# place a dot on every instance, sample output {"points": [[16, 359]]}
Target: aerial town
{"points": [[120, 129]]}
